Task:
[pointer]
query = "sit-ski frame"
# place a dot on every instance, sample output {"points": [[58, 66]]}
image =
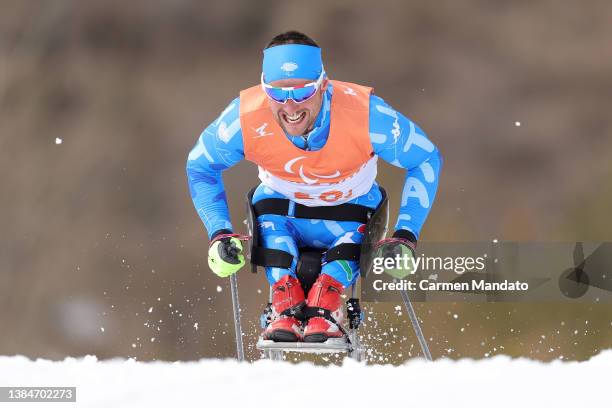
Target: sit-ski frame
{"points": [[349, 343]]}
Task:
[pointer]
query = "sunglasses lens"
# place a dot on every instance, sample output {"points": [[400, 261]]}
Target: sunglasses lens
{"points": [[301, 94], [277, 94]]}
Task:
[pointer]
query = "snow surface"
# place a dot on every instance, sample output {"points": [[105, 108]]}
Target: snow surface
{"points": [[498, 381]]}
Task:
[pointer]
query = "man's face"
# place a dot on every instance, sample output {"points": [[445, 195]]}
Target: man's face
{"points": [[297, 118]]}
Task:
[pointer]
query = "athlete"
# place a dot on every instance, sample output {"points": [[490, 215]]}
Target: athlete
{"points": [[316, 143]]}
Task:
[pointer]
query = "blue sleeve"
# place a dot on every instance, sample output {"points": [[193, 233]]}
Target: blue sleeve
{"points": [[399, 141], [218, 148]]}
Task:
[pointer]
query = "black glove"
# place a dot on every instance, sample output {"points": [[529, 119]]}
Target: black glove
{"points": [[402, 244], [225, 253]]}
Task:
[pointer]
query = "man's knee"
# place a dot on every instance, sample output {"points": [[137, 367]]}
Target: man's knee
{"points": [[345, 272], [274, 274]]}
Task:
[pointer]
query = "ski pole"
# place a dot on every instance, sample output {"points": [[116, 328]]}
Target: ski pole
{"points": [[415, 324], [237, 324]]}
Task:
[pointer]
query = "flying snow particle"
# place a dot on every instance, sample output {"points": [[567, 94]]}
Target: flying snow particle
{"points": [[195, 325], [58, 141], [102, 329], [517, 123], [150, 309], [219, 288]]}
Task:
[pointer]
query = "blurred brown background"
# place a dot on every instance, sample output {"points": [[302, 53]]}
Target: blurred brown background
{"points": [[102, 253]]}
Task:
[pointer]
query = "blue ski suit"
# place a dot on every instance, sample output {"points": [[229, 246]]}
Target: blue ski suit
{"points": [[395, 139]]}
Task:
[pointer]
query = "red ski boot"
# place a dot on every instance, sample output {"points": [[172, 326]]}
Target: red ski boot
{"points": [[287, 297], [323, 302]]}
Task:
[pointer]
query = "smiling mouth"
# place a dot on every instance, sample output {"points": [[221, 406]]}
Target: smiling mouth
{"points": [[294, 119]]}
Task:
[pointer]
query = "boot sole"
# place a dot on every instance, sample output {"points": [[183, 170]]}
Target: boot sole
{"points": [[316, 338], [280, 336]]}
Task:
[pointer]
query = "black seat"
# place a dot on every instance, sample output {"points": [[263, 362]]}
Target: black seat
{"points": [[309, 267]]}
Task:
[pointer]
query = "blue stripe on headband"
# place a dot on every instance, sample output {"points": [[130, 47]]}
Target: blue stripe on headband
{"points": [[292, 61]]}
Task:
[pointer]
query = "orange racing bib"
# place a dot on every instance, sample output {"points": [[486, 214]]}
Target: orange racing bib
{"points": [[342, 170]]}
